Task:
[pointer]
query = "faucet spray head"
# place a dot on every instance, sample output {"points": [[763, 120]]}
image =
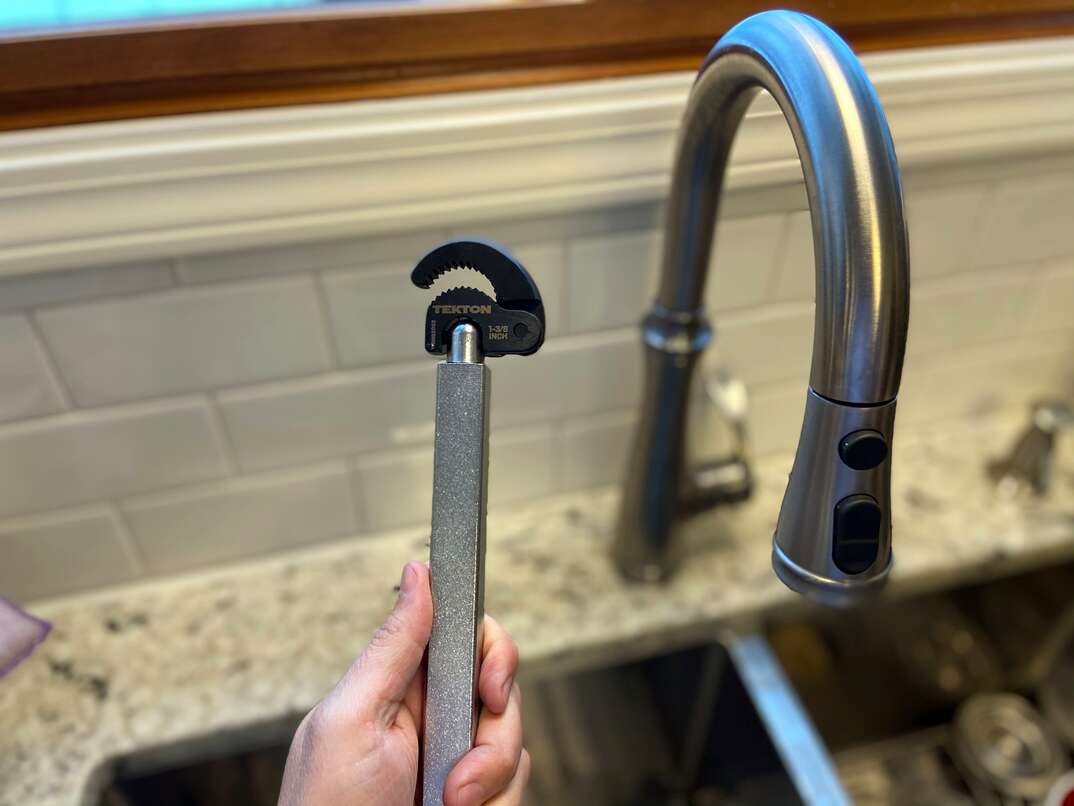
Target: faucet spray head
{"points": [[833, 538]]}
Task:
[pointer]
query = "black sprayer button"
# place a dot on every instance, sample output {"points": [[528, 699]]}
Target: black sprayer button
{"points": [[863, 450], [856, 533]]}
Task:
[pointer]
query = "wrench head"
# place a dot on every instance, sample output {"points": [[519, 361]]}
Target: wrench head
{"points": [[511, 324]]}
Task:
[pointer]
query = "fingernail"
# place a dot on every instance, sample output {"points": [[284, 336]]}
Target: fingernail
{"points": [[506, 691], [406, 582], [472, 794]]}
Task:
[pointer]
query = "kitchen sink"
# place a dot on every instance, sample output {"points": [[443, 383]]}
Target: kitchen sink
{"points": [[870, 706]]}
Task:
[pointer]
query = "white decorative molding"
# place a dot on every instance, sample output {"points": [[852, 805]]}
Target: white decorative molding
{"points": [[112, 192]]}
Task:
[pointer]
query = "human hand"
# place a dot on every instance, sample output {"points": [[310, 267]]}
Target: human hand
{"points": [[359, 745]]}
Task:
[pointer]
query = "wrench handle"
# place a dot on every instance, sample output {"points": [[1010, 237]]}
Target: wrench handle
{"points": [[457, 564]]}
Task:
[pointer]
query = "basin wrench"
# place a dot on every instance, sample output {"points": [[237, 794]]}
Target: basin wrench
{"points": [[467, 326]]}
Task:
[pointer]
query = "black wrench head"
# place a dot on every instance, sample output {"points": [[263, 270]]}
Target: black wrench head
{"points": [[511, 324]]}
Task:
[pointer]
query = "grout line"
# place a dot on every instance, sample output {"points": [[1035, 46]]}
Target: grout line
{"points": [[779, 259], [327, 331], [110, 296], [984, 206], [1022, 305], [995, 275], [576, 341], [126, 538], [567, 326], [185, 489], [223, 437], [51, 303], [563, 298], [173, 269], [559, 461], [52, 368], [356, 493], [1003, 349]]}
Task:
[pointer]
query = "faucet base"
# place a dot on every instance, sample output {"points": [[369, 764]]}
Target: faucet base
{"points": [[831, 592]]}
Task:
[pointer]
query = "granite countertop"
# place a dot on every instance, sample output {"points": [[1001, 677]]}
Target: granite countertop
{"points": [[150, 668]]}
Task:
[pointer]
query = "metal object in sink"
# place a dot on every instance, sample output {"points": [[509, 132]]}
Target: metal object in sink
{"points": [[466, 326], [1028, 468], [833, 538], [1004, 746], [1056, 690], [722, 476], [914, 769]]}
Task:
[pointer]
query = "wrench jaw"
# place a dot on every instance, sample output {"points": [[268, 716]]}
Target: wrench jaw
{"points": [[511, 324]]}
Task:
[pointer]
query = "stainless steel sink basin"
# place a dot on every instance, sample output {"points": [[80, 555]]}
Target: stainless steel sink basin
{"points": [[811, 708]]}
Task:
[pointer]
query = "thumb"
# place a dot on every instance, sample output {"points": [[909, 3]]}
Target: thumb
{"points": [[383, 672]]}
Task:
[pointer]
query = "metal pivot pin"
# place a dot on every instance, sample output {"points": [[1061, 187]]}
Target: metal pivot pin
{"points": [[467, 326]]}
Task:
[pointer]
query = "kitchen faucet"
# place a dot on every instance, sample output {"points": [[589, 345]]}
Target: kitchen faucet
{"points": [[833, 537], [1029, 466]]}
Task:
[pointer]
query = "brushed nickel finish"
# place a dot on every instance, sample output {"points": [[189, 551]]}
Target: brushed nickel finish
{"points": [[860, 249], [456, 559]]}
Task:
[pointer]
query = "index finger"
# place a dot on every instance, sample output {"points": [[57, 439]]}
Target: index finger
{"points": [[499, 663]]}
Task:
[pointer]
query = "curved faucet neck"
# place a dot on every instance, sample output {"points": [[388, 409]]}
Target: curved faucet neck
{"points": [[852, 183]]}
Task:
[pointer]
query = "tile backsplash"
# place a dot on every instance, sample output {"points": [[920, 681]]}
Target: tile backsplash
{"points": [[175, 414]]}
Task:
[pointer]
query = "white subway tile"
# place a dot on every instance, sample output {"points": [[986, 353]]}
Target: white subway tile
{"points": [[241, 517], [965, 310], [795, 276], [186, 339], [1027, 220], [568, 377], [775, 417], [595, 449], [377, 317], [84, 456], [982, 379], [546, 263], [330, 415], [1051, 300], [611, 279], [740, 272], [406, 248], [941, 224], [523, 464], [368, 410], [48, 555], [397, 487], [55, 287], [1041, 369], [27, 389], [773, 343]]}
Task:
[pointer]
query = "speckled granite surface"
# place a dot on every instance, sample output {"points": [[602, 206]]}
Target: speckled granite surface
{"points": [[146, 668]]}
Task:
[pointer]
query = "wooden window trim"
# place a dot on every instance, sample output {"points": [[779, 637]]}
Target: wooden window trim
{"points": [[312, 56]]}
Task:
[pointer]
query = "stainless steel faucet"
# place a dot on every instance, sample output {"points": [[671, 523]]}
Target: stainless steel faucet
{"points": [[833, 539], [1029, 466]]}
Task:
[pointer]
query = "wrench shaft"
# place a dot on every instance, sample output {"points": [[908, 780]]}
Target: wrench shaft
{"points": [[457, 563]]}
